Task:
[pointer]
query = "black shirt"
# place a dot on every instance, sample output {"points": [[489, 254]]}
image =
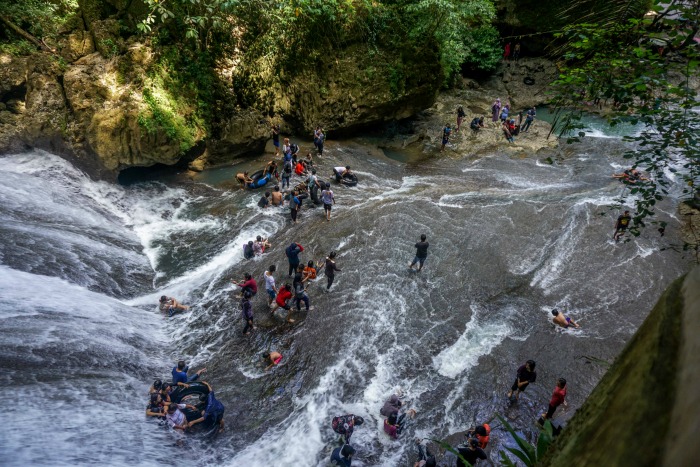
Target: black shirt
{"points": [[525, 375], [470, 456], [422, 249], [263, 202], [623, 221]]}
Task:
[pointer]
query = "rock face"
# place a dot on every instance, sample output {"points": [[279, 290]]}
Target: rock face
{"points": [[528, 80], [644, 410], [476, 101]]}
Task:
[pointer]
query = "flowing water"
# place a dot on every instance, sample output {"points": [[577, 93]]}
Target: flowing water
{"points": [[82, 264]]}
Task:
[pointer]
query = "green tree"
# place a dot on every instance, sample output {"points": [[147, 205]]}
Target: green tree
{"points": [[640, 70]]}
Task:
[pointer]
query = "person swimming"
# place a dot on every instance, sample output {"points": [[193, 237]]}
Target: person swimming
{"points": [[562, 320]]}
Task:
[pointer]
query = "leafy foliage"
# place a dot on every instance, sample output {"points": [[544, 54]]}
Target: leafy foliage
{"points": [[40, 18], [640, 71], [527, 453]]}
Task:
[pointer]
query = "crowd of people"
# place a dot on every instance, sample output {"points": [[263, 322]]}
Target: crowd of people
{"points": [[501, 116], [165, 401]]}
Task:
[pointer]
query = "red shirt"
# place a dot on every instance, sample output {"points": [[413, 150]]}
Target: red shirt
{"points": [[558, 396], [390, 429], [282, 296], [251, 284], [299, 169]]}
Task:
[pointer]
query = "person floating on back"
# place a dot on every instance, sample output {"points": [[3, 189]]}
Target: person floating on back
{"points": [[562, 320], [621, 225], [421, 253]]}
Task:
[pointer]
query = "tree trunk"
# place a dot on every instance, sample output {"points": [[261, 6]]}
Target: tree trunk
{"points": [[17, 30]]}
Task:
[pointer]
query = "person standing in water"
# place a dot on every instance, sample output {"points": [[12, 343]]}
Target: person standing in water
{"points": [[276, 139], [421, 253], [526, 375], [445, 136], [621, 225], [328, 200], [460, 117], [558, 398], [247, 313], [243, 179], [331, 269], [270, 284]]}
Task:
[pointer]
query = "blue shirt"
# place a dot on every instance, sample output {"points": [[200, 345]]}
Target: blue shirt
{"points": [[214, 409], [181, 376], [340, 460]]}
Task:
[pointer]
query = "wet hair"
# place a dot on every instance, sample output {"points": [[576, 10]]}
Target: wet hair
{"points": [[531, 363], [272, 268], [347, 450], [392, 418], [313, 171], [157, 384], [172, 408], [267, 194], [555, 312], [561, 382], [258, 238], [180, 364], [245, 173], [331, 254], [347, 167], [358, 420], [154, 397], [250, 243], [247, 294], [287, 286], [627, 212], [277, 188], [163, 298], [328, 185], [266, 355], [310, 264], [422, 238], [480, 430]]}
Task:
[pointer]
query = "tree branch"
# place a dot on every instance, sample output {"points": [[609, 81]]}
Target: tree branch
{"points": [[17, 30]]}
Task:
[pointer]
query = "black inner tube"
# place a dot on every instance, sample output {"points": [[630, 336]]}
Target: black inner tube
{"points": [[529, 81]]}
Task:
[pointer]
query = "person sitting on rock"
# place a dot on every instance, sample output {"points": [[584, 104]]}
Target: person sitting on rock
{"points": [[477, 123]]}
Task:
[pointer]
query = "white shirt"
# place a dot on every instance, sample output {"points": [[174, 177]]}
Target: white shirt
{"points": [[269, 281], [177, 418]]}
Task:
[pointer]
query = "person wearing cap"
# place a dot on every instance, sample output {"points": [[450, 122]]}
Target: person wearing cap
{"points": [[171, 305], [480, 433], [562, 320], [176, 418], [342, 456], [247, 313], [180, 374], [471, 453], [345, 424], [526, 375]]}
